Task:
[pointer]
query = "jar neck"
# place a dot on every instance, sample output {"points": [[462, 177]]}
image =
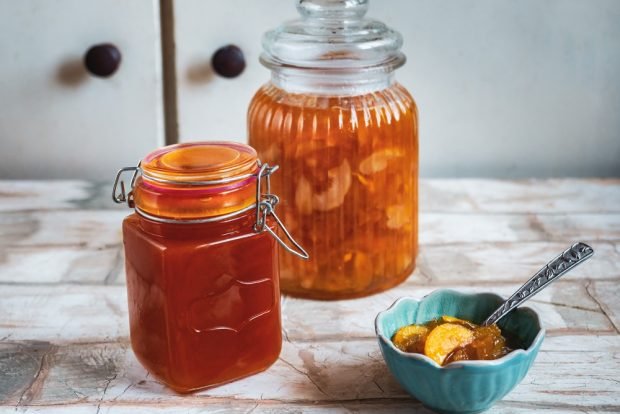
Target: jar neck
{"points": [[317, 82], [237, 226], [183, 202]]}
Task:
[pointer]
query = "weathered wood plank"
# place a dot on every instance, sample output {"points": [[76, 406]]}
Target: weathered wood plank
{"points": [[64, 347], [76, 228], [482, 264], [102, 228], [63, 313], [33, 265], [381, 406], [607, 295], [520, 196], [579, 369], [21, 366], [221, 405], [436, 195], [565, 308], [25, 195], [81, 313], [29, 195], [438, 228]]}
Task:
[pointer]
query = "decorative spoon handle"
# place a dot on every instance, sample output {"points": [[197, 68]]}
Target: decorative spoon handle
{"points": [[568, 260]]}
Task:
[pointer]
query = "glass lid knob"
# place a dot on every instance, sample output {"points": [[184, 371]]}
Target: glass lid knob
{"points": [[333, 35], [332, 9]]}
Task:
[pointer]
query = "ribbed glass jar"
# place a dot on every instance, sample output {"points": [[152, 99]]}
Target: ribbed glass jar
{"points": [[346, 134]]}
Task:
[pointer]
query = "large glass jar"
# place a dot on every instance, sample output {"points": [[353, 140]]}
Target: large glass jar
{"points": [[202, 265], [347, 136]]}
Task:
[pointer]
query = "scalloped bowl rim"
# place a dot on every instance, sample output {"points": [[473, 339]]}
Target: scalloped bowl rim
{"points": [[458, 364]]}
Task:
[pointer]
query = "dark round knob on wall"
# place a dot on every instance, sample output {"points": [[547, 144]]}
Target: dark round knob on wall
{"points": [[228, 61], [102, 60]]}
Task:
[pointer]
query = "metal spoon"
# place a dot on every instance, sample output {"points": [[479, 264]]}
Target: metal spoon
{"points": [[567, 261]]}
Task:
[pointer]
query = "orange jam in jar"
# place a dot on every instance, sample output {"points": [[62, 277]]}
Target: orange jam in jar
{"points": [[346, 133], [201, 264]]}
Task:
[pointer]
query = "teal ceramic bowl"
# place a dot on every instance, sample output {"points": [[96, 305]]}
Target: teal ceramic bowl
{"points": [[459, 387]]}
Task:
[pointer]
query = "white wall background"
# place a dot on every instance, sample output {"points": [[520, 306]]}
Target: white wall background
{"points": [[505, 88], [514, 88]]}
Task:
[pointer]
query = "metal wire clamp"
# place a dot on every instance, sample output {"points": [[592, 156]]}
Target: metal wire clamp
{"points": [[124, 196], [265, 205]]}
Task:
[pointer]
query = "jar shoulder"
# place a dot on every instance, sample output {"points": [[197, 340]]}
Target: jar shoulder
{"points": [[136, 227], [270, 98]]}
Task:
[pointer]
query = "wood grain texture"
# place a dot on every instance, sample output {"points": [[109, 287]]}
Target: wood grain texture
{"points": [[90, 313], [63, 313], [64, 345], [565, 308], [58, 228], [437, 195], [437, 264], [29, 195], [380, 406], [71, 264], [549, 196], [32, 195], [438, 228], [607, 296], [101, 228], [328, 372], [508, 262]]}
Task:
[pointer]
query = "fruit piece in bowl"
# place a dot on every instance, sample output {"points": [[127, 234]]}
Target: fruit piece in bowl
{"points": [[468, 386], [448, 339]]}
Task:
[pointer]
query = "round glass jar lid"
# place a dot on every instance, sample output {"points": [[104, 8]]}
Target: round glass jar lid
{"points": [[333, 35], [200, 163]]}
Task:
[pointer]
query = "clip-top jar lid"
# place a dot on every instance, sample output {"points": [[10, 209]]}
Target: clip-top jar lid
{"points": [[333, 35], [200, 163]]}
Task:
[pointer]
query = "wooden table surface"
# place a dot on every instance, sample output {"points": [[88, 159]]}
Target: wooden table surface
{"points": [[63, 315]]}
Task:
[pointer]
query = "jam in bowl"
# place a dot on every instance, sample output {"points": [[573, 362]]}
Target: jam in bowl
{"points": [[465, 386]]}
